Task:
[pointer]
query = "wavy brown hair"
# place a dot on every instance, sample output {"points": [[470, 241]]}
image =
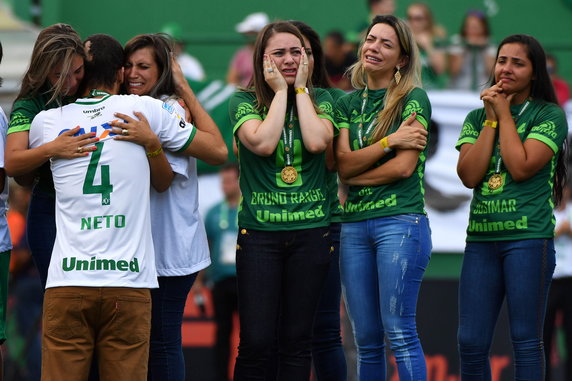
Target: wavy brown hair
{"points": [[410, 75], [55, 45], [264, 93]]}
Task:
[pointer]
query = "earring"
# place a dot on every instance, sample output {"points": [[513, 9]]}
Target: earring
{"points": [[397, 76]]}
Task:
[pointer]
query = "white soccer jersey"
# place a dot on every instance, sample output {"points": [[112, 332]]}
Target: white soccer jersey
{"points": [[102, 201], [179, 235]]}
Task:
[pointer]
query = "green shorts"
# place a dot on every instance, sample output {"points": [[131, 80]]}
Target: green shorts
{"points": [[4, 270]]}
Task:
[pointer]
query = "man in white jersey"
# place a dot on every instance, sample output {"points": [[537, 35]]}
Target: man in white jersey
{"points": [[97, 294]]}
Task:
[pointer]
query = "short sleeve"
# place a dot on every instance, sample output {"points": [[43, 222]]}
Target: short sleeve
{"points": [[417, 101], [174, 133], [242, 108], [471, 129], [23, 113], [325, 104], [36, 137], [550, 127]]}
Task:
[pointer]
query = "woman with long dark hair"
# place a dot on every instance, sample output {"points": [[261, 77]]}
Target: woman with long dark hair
{"points": [[282, 127], [512, 155]]}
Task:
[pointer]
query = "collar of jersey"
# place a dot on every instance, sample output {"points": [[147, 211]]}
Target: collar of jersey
{"points": [[91, 101]]}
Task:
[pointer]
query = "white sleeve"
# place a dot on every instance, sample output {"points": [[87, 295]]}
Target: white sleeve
{"points": [[36, 134], [174, 133]]}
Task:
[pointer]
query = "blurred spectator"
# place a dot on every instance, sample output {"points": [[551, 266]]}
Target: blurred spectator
{"points": [[25, 313], [222, 229], [471, 54], [560, 295], [241, 67], [191, 67], [339, 56], [560, 86], [374, 7], [430, 39]]}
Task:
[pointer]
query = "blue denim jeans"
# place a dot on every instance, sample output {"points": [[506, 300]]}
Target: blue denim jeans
{"points": [[41, 230], [382, 263], [521, 271], [166, 360], [280, 275], [327, 350]]}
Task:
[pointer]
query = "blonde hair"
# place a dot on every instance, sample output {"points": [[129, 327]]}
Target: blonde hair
{"points": [[56, 44], [396, 92]]}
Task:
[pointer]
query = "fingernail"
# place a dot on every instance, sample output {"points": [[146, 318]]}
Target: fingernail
{"points": [[96, 139]]}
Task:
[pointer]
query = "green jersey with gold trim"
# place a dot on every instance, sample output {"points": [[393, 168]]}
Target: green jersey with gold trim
{"points": [[513, 210], [399, 197], [268, 203], [102, 200]]}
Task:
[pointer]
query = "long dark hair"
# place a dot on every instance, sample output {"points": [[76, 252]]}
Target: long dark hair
{"points": [[541, 88], [264, 94], [319, 76], [162, 46]]}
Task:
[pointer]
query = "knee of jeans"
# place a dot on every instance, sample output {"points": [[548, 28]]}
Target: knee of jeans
{"points": [[531, 348], [402, 340]]}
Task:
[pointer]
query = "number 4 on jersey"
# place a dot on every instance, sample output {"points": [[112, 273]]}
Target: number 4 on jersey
{"points": [[105, 188]]}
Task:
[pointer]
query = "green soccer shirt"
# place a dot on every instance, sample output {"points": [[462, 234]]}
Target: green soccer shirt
{"points": [[268, 203], [399, 197], [516, 210]]}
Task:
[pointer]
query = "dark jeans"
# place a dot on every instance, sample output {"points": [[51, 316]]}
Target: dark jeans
{"points": [[559, 300], [521, 271], [41, 231], [166, 360], [225, 300], [327, 350], [280, 278]]}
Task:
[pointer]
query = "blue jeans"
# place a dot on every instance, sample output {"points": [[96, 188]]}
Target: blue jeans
{"points": [[327, 350], [521, 271], [41, 230], [166, 360], [382, 263], [280, 275]]}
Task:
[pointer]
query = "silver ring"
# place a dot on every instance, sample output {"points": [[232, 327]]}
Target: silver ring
{"points": [[79, 149], [270, 70], [125, 132], [305, 63]]}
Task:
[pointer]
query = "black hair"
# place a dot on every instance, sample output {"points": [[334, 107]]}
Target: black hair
{"points": [[541, 88], [319, 74], [104, 60]]}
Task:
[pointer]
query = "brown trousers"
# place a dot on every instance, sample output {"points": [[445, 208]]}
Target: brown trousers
{"points": [[112, 322]]}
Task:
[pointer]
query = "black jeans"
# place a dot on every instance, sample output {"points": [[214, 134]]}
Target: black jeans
{"points": [[225, 304], [280, 276]]}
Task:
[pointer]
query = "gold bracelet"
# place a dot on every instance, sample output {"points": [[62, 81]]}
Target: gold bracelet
{"points": [[155, 153], [490, 123], [301, 90], [384, 143]]}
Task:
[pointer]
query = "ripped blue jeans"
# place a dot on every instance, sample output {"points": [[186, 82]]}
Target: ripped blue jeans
{"points": [[382, 262]]}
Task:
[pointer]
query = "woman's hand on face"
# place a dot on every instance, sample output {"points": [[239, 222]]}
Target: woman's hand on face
{"points": [[409, 135], [302, 72], [134, 130], [178, 76], [272, 76], [68, 146]]}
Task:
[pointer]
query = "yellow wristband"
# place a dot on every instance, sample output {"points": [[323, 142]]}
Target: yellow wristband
{"points": [[301, 90], [155, 153], [384, 143], [490, 123]]}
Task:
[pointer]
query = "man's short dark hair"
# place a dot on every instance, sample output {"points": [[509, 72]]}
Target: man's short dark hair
{"points": [[104, 59]]}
